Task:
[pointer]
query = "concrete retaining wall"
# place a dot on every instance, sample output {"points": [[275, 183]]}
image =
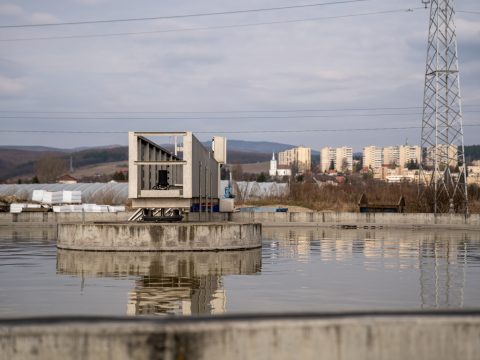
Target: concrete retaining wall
{"points": [[358, 218], [57, 218], [340, 337], [159, 237], [267, 219], [346, 218]]}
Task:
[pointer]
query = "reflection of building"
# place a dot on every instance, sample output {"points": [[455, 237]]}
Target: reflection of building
{"points": [[438, 257], [177, 295], [166, 283], [301, 157]]}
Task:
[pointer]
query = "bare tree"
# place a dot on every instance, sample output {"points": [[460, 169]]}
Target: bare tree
{"points": [[237, 172], [49, 168]]}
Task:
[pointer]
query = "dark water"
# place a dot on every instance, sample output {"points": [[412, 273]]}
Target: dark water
{"points": [[296, 270]]}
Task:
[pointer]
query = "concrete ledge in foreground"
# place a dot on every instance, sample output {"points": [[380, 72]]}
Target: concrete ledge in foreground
{"points": [[159, 237], [380, 336]]}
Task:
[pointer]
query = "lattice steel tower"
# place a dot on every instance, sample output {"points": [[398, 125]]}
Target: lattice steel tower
{"points": [[442, 170]]}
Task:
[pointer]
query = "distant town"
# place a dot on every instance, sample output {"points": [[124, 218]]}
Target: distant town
{"points": [[392, 164]]}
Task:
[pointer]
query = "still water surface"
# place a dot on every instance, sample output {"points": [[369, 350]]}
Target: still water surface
{"points": [[296, 270]]}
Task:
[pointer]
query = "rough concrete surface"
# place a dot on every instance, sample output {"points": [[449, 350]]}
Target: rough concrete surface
{"points": [[159, 237], [391, 336], [311, 219]]}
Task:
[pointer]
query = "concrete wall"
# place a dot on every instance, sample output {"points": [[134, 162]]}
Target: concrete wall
{"points": [[159, 237], [271, 218], [205, 170], [358, 218], [344, 218], [57, 218], [314, 336]]}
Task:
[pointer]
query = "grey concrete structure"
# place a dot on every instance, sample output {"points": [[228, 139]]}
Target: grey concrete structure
{"points": [[314, 219], [159, 237], [193, 177], [393, 336]]}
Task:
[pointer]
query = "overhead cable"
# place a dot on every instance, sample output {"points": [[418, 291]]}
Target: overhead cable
{"points": [[169, 17], [100, 35], [298, 116], [216, 111], [236, 111], [227, 131]]}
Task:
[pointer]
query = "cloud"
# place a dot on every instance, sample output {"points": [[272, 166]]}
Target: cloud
{"points": [[43, 17], [356, 62], [90, 2], [30, 17], [10, 10], [12, 86]]}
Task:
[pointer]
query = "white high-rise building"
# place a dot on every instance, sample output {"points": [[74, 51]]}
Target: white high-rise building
{"points": [[341, 157], [408, 153], [300, 156], [372, 157], [327, 155], [344, 159], [391, 155], [446, 154]]}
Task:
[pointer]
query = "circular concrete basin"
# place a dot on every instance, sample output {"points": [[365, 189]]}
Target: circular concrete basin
{"points": [[159, 237]]}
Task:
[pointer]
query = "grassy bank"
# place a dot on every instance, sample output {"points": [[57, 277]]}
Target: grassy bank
{"points": [[345, 197]]}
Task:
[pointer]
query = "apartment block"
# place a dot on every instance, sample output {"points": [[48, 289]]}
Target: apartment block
{"points": [[447, 154], [372, 157], [300, 156], [327, 155], [408, 153], [391, 155], [342, 158]]}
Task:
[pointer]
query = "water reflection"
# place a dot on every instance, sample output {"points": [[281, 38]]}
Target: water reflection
{"points": [[440, 257], [30, 233], [167, 283]]}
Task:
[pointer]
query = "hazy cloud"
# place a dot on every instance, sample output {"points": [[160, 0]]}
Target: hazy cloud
{"points": [[10, 10], [374, 61], [12, 86]]}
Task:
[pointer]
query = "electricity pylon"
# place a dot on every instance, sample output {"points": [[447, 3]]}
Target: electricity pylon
{"points": [[443, 178]]}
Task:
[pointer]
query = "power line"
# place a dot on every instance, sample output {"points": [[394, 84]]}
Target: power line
{"points": [[216, 111], [225, 132], [469, 12], [298, 116], [226, 111], [100, 35], [86, 22]]}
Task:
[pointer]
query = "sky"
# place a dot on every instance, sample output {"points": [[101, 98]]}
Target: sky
{"points": [[279, 80]]}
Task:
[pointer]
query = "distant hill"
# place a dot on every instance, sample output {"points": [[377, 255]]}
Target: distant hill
{"points": [[257, 146], [19, 161], [472, 152], [261, 146]]}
